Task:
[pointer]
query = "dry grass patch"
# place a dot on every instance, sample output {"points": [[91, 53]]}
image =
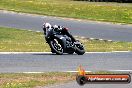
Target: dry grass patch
{"points": [[21, 80]]}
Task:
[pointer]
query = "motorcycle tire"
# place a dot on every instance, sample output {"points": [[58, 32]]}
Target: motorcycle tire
{"points": [[79, 49], [56, 46]]}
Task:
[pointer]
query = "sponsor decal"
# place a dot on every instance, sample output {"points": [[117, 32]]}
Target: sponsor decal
{"points": [[83, 78]]}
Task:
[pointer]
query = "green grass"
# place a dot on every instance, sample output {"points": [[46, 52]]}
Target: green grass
{"points": [[103, 46], [23, 80], [32, 80], [21, 40], [16, 40], [112, 12]]}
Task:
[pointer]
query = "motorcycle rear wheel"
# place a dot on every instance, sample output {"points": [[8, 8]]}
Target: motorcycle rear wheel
{"points": [[79, 49]]}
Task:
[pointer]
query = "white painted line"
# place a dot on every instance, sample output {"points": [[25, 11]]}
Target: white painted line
{"points": [[40, 52], [75, 71], [98, 52], [82, 37], [30, 30], [33, 72], [109, 40], [51, 53], [38, 31], [121, 70], [92, 38], [78, 71], [121, 51], [111, 52], [102, 70], [101, 39], [25, 52]]}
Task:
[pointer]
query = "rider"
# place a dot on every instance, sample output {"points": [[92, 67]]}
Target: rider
{"points": [[47, 26]]}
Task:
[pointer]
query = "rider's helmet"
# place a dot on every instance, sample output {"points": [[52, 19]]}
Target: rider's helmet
{"points": [[46, 26]]}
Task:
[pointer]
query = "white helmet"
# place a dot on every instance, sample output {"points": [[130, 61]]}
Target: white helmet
{"points": [[46, 25]]}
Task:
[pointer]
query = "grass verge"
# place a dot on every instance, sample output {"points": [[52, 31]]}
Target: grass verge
{"points": [[36, 80], [23, 80], [16, 40], [112, 12], [22, 40]]}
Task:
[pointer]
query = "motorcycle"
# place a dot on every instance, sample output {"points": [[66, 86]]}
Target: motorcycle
{"points": [[61, 43]]}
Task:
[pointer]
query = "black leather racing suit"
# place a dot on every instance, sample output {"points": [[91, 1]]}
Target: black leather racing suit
{"points": [[63, 30]]}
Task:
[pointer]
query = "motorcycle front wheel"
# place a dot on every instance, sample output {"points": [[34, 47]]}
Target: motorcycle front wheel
{"points": [[57, 46]]}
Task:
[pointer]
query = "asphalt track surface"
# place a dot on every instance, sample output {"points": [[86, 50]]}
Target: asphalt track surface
{"points": [[88, 29], [43, 62], [47, 62], [75, 85]]}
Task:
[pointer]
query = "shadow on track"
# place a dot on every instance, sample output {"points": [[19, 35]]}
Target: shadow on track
{"points": [[52, 54]]}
